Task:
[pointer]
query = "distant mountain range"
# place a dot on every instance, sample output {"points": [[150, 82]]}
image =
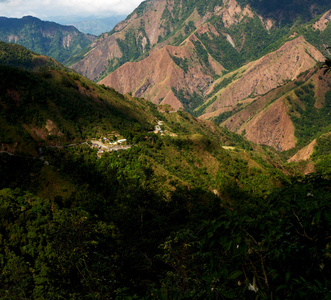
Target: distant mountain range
{"points": [[91, 24], [98, 26], [47, 38]]}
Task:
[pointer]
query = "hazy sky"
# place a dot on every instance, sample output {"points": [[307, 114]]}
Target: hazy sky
{"points": [[44, 9]]}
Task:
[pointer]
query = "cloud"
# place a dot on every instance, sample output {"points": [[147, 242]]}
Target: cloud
{"points": [[48, 8]]}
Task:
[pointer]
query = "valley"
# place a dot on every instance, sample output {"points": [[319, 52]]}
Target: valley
{"points": [[185, 154]]}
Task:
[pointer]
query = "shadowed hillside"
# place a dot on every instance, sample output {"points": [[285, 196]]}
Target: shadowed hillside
{"points": [[186, 210]]}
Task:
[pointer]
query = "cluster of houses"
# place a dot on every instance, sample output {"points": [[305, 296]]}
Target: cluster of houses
{"points": [[105, 145], [119, 142]]}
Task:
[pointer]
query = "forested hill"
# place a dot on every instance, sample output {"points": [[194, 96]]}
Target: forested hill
{"points": [[184, 210], [43, 37], [287, 12]]}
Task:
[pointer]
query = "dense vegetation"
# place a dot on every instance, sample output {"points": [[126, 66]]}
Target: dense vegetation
{"points": [[75, 108], [322, 154], [288, 11], [196, 213], [47, 38], [310, 121], [125, 239]]}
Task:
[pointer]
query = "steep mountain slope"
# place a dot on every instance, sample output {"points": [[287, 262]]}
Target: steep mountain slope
{"points": [[207, 39], [231, 32], [261, 76], [14, 55], [205, 62], [50, 117], [154, 24], [47, 38], [289, 116], [76, 224], [168, 68], [45, 103]]}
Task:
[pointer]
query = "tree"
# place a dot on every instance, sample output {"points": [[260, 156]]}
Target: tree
{"points": [[327, 63]]}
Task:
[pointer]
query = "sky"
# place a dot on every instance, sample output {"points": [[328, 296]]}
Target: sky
{"points": [[46, 9]]}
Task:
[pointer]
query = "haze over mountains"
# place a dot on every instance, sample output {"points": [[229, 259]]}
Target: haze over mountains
{"points": [[90, 25]]}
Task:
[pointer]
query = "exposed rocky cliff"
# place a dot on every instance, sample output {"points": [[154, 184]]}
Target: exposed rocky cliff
{"points": [[155, 24], [167, 69]]}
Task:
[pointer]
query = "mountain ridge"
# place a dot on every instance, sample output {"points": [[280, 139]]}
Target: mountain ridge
{"points": [[44, 37], [211, 60]]}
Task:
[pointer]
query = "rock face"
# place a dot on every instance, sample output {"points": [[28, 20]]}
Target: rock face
{"points": [[269, 119], [155, 82], [323, 22], [106, 50], [150, 27], [272, 127], [305, 153]]}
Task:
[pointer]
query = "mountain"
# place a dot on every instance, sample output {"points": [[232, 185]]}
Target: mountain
{"points": [[225, 25], [213, 59], [186, 209], [44, 104], [47, 38], [14, 55]]}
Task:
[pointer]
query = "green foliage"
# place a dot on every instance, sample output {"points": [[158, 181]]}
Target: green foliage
{"points": [[15, 55], [46, 38], [190, 101], [202, 53], [144, 222], [310, 121], [281, 243], [175, 216], [47, 252], [224, 116], [55, 95], [225, 82], [131, 47], [322, 154], [221, 50], [189, 27], [180, 62], [288, 11]]}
